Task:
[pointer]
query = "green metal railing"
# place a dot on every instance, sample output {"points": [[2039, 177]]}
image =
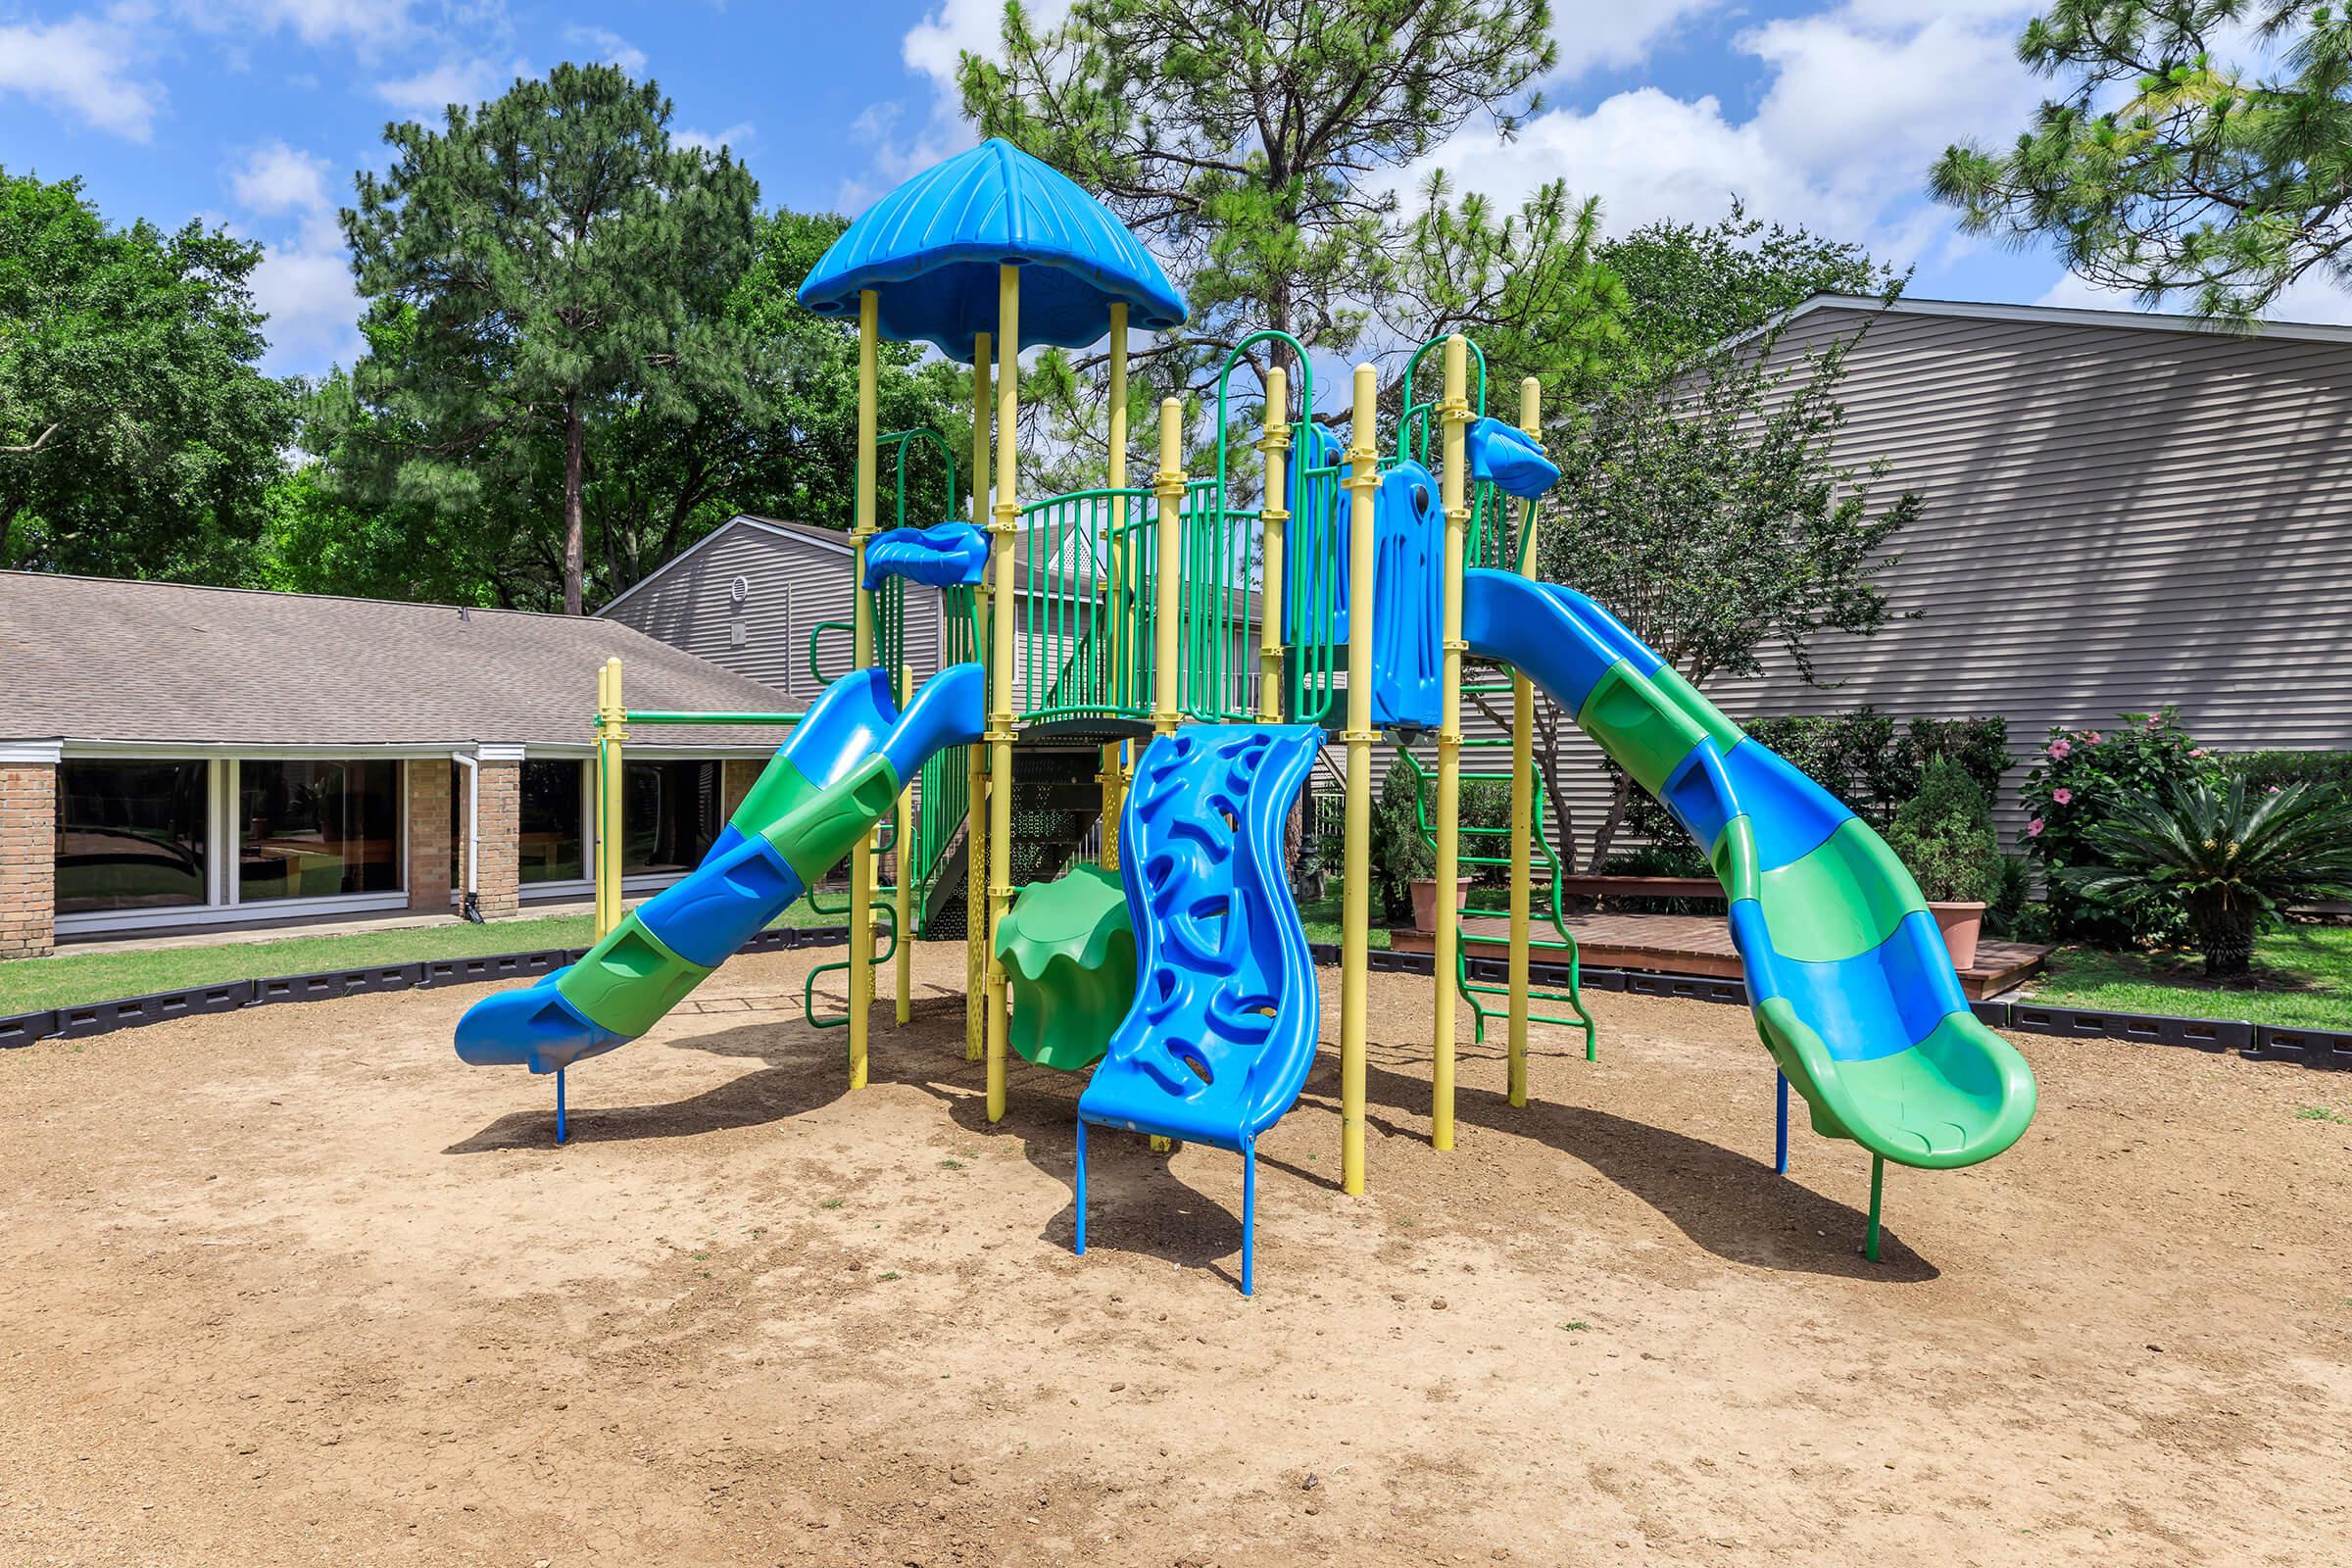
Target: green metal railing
{"points": [[1084, 608]]}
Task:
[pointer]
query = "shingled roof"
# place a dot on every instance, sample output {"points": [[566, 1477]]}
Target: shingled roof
{"points": [[97, 660]]}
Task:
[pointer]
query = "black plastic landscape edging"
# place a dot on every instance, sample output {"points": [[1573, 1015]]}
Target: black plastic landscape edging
{"points": [[2313, 1048]]}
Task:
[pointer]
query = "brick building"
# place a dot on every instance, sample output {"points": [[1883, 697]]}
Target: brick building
{"points": [[175, 757]]}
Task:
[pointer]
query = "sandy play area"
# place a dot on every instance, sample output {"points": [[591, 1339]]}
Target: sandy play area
{"points": [[294, 1286]]}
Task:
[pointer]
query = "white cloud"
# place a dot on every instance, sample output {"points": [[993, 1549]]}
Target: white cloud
{"points": [[735, 138], [85, 66], [1861, 98], [1613, 34], [904, 142], [277, 179], [607, 47], [462, 81], [304, 285], [370, 25], [304, 281]]}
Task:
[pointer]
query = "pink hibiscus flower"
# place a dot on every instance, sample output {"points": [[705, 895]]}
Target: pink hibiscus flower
{"points": [[2093, 737], [2034, 828], [2059, 748], [2063, 797], [2196, 751]]}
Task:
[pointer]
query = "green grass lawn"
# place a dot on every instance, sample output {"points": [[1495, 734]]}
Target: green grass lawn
{"points": [[1322, 916], [27, 985], [2303, 976]]}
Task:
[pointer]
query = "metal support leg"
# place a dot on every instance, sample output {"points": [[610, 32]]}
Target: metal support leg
{"points": [[558, 1107], [1878, 1186], [1249, 1218], [1080, 1246], [1780, 1147]]}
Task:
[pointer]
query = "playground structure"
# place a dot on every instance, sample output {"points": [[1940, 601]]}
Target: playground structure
{"points": [[1207, 646]]}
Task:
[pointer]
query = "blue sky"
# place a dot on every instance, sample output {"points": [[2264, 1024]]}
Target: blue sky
{"points": [[254, 113]]}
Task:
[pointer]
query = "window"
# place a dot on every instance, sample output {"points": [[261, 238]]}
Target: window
{"points": [[552, 845], [672, 814], [314, 829], [130, 834]]}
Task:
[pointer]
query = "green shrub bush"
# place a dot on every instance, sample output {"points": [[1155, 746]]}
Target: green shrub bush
{"points": [[1862, 757], [1944, 835], [2085, 777], [2220, 857], [1400, 854], [2263, 770]]}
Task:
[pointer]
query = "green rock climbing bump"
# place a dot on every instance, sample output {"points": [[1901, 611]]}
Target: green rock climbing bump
{"points": [[1068, 948]]}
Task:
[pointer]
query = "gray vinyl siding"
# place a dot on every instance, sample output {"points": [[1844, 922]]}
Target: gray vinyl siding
{"points": [[793, 583], [2116, 517]]}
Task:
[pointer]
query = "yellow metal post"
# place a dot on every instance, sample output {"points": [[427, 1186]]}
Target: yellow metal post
{"points": [[1167, 690], [862, 858], [975, 812], [1355, 934], [1001, 671], [1113, 776], [1523, 785], [1274, 517], [1167, 693], [903, 854], [1455, 411], [609, 732]]}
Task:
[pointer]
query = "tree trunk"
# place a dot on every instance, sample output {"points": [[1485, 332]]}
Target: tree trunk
{"points": [[2226, 936], [575, 533], [1620, 803]]}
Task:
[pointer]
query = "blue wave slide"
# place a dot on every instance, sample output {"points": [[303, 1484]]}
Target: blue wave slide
{"points": [[1851, 987], [837, 775], [1226, 1013]]}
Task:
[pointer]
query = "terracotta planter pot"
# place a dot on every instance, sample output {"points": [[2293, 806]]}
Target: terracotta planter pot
{"points": [[1425, 900], [1961, 925]]}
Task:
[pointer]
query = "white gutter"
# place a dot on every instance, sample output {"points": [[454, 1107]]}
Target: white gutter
{"points": [[473, 831]]}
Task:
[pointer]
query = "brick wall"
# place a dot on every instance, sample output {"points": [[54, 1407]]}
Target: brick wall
{"points": [[735, 780], [27, 858], [498, 871], [429, 790]]}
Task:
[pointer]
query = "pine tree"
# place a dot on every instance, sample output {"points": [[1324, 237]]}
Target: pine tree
{"points": [[533, 267]]}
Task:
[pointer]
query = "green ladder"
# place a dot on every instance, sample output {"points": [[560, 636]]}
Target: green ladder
{"points": [[1547, 864]]}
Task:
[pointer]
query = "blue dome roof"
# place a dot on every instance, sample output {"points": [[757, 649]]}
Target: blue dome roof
{"points": [[932, 247]]}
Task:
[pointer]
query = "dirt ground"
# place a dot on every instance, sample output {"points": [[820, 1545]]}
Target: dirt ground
{"points": [[294, 1286]]}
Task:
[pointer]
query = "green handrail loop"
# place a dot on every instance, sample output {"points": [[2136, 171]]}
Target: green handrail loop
{"points": [[886, 916], [819, 630]]}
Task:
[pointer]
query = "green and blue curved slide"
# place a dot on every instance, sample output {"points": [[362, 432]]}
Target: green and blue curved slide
{"points": [[1853, 990]]}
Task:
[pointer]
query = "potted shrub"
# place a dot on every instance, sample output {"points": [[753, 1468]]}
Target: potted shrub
{"points": [[1945, 836], [1402, 859], [2225, 857]]}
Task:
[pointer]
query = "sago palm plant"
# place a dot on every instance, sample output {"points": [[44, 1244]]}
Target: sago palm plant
{"points": [[2226, 859]]}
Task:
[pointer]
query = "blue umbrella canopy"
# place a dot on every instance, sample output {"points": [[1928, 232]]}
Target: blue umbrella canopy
{"points": [[930, 251]]}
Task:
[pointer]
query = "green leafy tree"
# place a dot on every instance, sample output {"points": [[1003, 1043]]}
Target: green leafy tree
{"points": [[1530, 285], [2226, 857], [1245, 140], [802, 461], [656, 476], [2175, 163], [1687, 287], [137, 433], [553, 260]]}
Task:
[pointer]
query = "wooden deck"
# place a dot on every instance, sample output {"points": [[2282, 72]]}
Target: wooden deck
{"points": [[1696, 944]]}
